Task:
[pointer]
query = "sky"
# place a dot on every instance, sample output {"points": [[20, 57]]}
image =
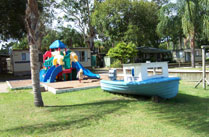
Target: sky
{"points": [[174, 1], [55, 23]]}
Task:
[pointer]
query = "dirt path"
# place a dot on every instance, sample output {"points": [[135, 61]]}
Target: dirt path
{"points": [[3, 87]]}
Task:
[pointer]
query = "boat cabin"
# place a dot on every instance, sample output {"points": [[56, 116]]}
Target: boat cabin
{"points": [[144, 71]]}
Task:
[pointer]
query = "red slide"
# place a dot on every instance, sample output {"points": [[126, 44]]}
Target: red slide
{"points": [[47, 54]]}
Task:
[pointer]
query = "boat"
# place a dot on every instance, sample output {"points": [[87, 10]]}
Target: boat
{"points": [[147, 79]]}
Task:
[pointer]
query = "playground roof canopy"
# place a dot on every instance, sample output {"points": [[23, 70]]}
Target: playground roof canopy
{"points": [[57, 44]]}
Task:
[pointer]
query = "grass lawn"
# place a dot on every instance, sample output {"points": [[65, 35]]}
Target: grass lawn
{"points": [[94, 113]]}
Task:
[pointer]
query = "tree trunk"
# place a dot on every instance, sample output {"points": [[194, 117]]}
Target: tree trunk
{"points": [[34, 40], [193, 51], [91, 41], [35, 66], [168, 44], [91, 34], [180, 42]]}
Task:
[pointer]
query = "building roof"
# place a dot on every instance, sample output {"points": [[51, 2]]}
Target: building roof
{"points": [[57, 44], [152, 50]]}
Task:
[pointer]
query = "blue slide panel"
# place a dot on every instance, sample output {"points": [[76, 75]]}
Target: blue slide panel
{"points": [[42, 75], [48, 73], [86, 72], [56, 71]]}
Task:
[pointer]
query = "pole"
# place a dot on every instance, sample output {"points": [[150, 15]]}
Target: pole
{"points": [[203, 79], [203, 68]]}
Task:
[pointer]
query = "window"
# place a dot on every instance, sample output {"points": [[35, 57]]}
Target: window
{"points": [[179, 54], [23, 56], [155, 71], [82, 56], [198, 53]]}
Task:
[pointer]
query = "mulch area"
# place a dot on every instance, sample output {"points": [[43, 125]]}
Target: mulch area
{"points": [[61, 84]]}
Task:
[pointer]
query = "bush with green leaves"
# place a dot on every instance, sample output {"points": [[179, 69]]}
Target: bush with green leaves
{"points": [[123, 52], [116, 64]]}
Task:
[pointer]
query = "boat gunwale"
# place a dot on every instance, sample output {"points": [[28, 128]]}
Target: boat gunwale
{"points": [[148, 81]]}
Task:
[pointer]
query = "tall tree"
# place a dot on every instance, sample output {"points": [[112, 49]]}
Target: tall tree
{"points": [[12, 19], [144, 17], [79, 11], [71, 37], [161, 2], [189, 22], [195, 23], [34, 39], [111, 19], [127, 20], [12, 14], [187, 18], [169, 28]]}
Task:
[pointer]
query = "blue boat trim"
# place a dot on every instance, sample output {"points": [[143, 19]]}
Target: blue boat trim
{"points": [[165, 87]]}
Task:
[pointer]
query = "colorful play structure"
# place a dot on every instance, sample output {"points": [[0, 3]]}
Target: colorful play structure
{"points": [[62, 64]]}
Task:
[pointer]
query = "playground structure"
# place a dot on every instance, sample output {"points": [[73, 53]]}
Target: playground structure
{"points": [[62, 64]]}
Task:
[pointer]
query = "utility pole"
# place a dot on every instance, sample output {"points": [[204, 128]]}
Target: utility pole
{"points": [[203, 79]]}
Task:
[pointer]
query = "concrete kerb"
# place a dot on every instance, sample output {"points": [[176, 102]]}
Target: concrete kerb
{"points": [[10, 86], [18, 88], [4, 87], [51, 89], [58, 91]]}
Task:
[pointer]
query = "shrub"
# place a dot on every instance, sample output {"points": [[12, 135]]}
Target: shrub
{"points": [[123, 52], [116, 64]]}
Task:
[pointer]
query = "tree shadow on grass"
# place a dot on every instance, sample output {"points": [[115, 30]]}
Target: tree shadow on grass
{"points": [[190, 112], [72, 117]]}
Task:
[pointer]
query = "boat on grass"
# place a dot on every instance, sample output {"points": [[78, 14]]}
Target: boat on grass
{"points": [[148, 79]]}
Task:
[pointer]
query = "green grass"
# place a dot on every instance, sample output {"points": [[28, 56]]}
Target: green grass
{"points": [[94, 113]]}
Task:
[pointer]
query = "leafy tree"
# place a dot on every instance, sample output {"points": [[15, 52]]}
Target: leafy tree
{"points": [[188, 19], [79, 11], [12, 19], [71, 37], [169, 27], [22, 44], [195, 23], [143, 16], [5, 48], [123, 52], [126, 20], [205, 16], [161, 2], [68, 36], [34, 40], [111, 19], [12, 16]]}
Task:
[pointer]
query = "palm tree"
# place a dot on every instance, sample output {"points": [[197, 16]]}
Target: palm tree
{"points": [[195, 23], [34, 40], [189, 23]]}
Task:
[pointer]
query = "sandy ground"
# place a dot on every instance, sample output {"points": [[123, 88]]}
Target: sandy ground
{"points": [[3, 87], [61, 84]]}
